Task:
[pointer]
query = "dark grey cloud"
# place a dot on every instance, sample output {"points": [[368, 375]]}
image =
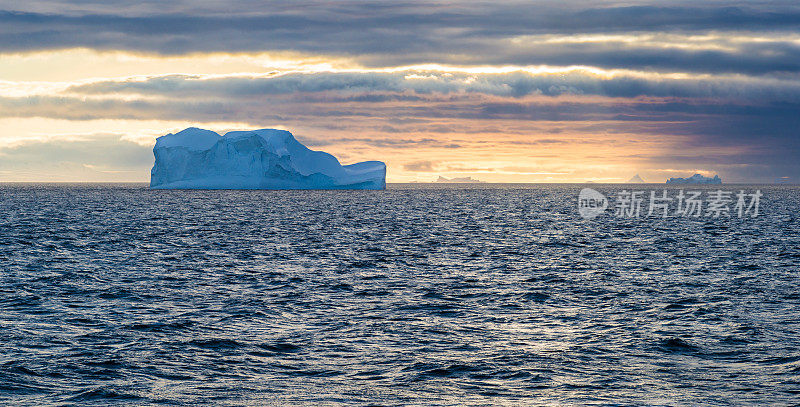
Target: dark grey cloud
{"points": [[381, 34], [769, 57], [373, 86]]}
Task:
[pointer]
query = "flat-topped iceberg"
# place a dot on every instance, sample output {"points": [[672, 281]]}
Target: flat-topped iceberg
{"points": [[256, 159], [695, 179]]}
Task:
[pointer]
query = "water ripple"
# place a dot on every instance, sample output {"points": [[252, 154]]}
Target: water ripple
{"points": [[482, 295]]}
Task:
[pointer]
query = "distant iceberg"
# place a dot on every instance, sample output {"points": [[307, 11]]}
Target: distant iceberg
{"points": [[695, 179], [459, 180], [256, 159], [636, 179]]}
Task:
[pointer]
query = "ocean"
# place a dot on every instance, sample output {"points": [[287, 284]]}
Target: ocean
{"points": [[423, 294]]}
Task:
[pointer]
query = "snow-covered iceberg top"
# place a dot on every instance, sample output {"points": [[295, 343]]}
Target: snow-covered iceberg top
{"points": [[695, 179], [256, 159]]}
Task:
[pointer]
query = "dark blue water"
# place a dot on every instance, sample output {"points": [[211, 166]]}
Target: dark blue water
{"points": [[415, 295]]}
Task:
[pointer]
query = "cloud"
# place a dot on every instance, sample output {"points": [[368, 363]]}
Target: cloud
{"points": [[420, 166], [416, 85], [421, 85], [77, 108], [401, 33]]}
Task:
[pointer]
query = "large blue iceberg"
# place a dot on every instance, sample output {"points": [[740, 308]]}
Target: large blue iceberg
{"points": [[256, 159]]}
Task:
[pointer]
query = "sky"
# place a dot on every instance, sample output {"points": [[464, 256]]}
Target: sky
{"points": [[552, 91]]}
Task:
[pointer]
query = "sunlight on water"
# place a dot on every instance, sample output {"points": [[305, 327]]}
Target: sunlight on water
{"points": [[419, 294]]}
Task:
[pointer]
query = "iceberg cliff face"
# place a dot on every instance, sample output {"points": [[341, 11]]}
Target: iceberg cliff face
{"points": [[258, 159]]}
